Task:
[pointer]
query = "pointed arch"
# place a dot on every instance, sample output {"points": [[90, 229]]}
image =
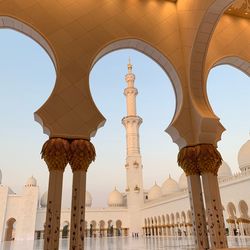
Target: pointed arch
{"points": [[148, 50], [10, 229]]}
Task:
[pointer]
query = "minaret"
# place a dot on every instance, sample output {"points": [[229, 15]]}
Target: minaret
{"points": [[133, 165]]}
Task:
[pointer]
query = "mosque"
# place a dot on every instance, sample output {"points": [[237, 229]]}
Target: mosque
{"points": [[158, 211], [187, 38]]}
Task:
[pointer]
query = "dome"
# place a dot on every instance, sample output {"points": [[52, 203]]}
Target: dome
{"points": [[31, 182], [224, 171], [1, 176], [154, 192], [43, 200], [88, 199], [183, 182], [244, 156], [115, 199], [169, 186]]}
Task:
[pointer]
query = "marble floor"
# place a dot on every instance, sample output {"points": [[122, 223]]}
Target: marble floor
{"points": [[126, 243], [121, 243]]}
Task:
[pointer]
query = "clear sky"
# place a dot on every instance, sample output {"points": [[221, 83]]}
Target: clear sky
{"points": [[27, 77]]}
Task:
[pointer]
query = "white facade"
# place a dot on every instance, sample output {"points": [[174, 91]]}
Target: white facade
{"points": [[161, 210]]}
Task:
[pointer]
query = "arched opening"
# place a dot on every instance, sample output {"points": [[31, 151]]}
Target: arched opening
{"points": [[227, 88], [152, 226], [172, 223], [109, 81], [110, 230], [27, 74], [65, 229], [183, 224], [243, 220], [149, 231], [10, 229], [177, 225], [102, 228], [118, 228], [227, 91], [232, 219], [92, 229]]}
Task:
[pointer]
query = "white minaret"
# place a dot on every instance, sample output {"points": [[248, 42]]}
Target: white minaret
{"points": [[133, 165]]}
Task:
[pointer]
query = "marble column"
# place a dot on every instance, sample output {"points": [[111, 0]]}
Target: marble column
{"points": [[55, 154], [209, 161], [82, 153], [187, 159]]}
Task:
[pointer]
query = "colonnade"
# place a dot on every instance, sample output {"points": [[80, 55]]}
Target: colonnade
{"points": [[106, 232], [169, 230], [94, 233], [238, 226], [199, 162]]}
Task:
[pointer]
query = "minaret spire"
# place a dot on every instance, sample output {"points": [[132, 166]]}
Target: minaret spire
{"points": [[132, 122], [130, 66]]}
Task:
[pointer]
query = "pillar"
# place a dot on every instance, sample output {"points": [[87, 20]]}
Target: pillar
{"points": [[55, 154], [82, 153], [209, 161], [187, 159]]}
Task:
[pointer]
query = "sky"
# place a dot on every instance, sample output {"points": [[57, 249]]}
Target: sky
{"points": [[27, 77]]}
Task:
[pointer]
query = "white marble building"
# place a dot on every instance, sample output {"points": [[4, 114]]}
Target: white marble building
{"points": [[161, 210]]}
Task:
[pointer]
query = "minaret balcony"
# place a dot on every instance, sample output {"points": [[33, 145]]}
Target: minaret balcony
{"points": [[130, 91], [130, 77], [132, 119]]}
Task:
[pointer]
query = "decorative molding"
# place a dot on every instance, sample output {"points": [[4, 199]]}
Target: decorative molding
{"points": [[198, 159], [187, 161], [55, 152], [82, 153], [243, 220], [240, 8]]}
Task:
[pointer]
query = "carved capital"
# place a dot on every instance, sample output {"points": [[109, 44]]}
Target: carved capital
{"points": [[187, 160], [55, 153], [82, 153], [208, 158], [198, 159]]}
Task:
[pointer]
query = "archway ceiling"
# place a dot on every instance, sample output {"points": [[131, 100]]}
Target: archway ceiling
{"points": [[230, 44], [78, 30]]}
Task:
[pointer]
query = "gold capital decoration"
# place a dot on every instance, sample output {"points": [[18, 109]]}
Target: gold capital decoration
{"points": [[208, 158], [55, 153], [198, 159], [82, 153], [187, 160]]}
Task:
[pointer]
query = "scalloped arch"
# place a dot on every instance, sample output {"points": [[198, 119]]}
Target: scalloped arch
{"points": [[152, 53]]}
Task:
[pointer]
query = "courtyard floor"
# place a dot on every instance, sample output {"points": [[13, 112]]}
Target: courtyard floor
{"points": [[123, 243], [110, 243]]}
